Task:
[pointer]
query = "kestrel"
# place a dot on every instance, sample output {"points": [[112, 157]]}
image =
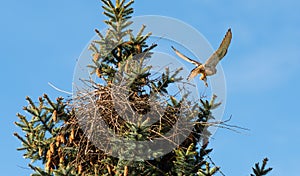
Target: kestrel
{"points": [[209, 67]]}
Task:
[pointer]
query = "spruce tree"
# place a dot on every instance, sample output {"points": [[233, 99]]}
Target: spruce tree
{"points": [[63, 134]]}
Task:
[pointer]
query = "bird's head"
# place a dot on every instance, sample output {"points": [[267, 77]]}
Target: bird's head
{"points": [[202, 68]]}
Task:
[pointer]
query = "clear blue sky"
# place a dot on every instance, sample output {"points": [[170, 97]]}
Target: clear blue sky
{"points": [[41, 40]]}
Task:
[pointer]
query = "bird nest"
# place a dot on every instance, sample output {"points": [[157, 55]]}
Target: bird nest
{"points": [[126, 124]]}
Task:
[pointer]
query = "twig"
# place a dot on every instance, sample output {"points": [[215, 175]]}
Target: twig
{"points": [[63, 91]]}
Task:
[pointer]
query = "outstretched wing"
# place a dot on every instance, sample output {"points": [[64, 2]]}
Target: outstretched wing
{"points": [[214, 59], [185, 57], [194, 73]]}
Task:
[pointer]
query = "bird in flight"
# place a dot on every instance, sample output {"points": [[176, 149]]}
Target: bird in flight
{"points": [[209, 67]]}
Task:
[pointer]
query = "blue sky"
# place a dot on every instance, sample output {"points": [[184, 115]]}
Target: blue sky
{"points": [[41, 40]]}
